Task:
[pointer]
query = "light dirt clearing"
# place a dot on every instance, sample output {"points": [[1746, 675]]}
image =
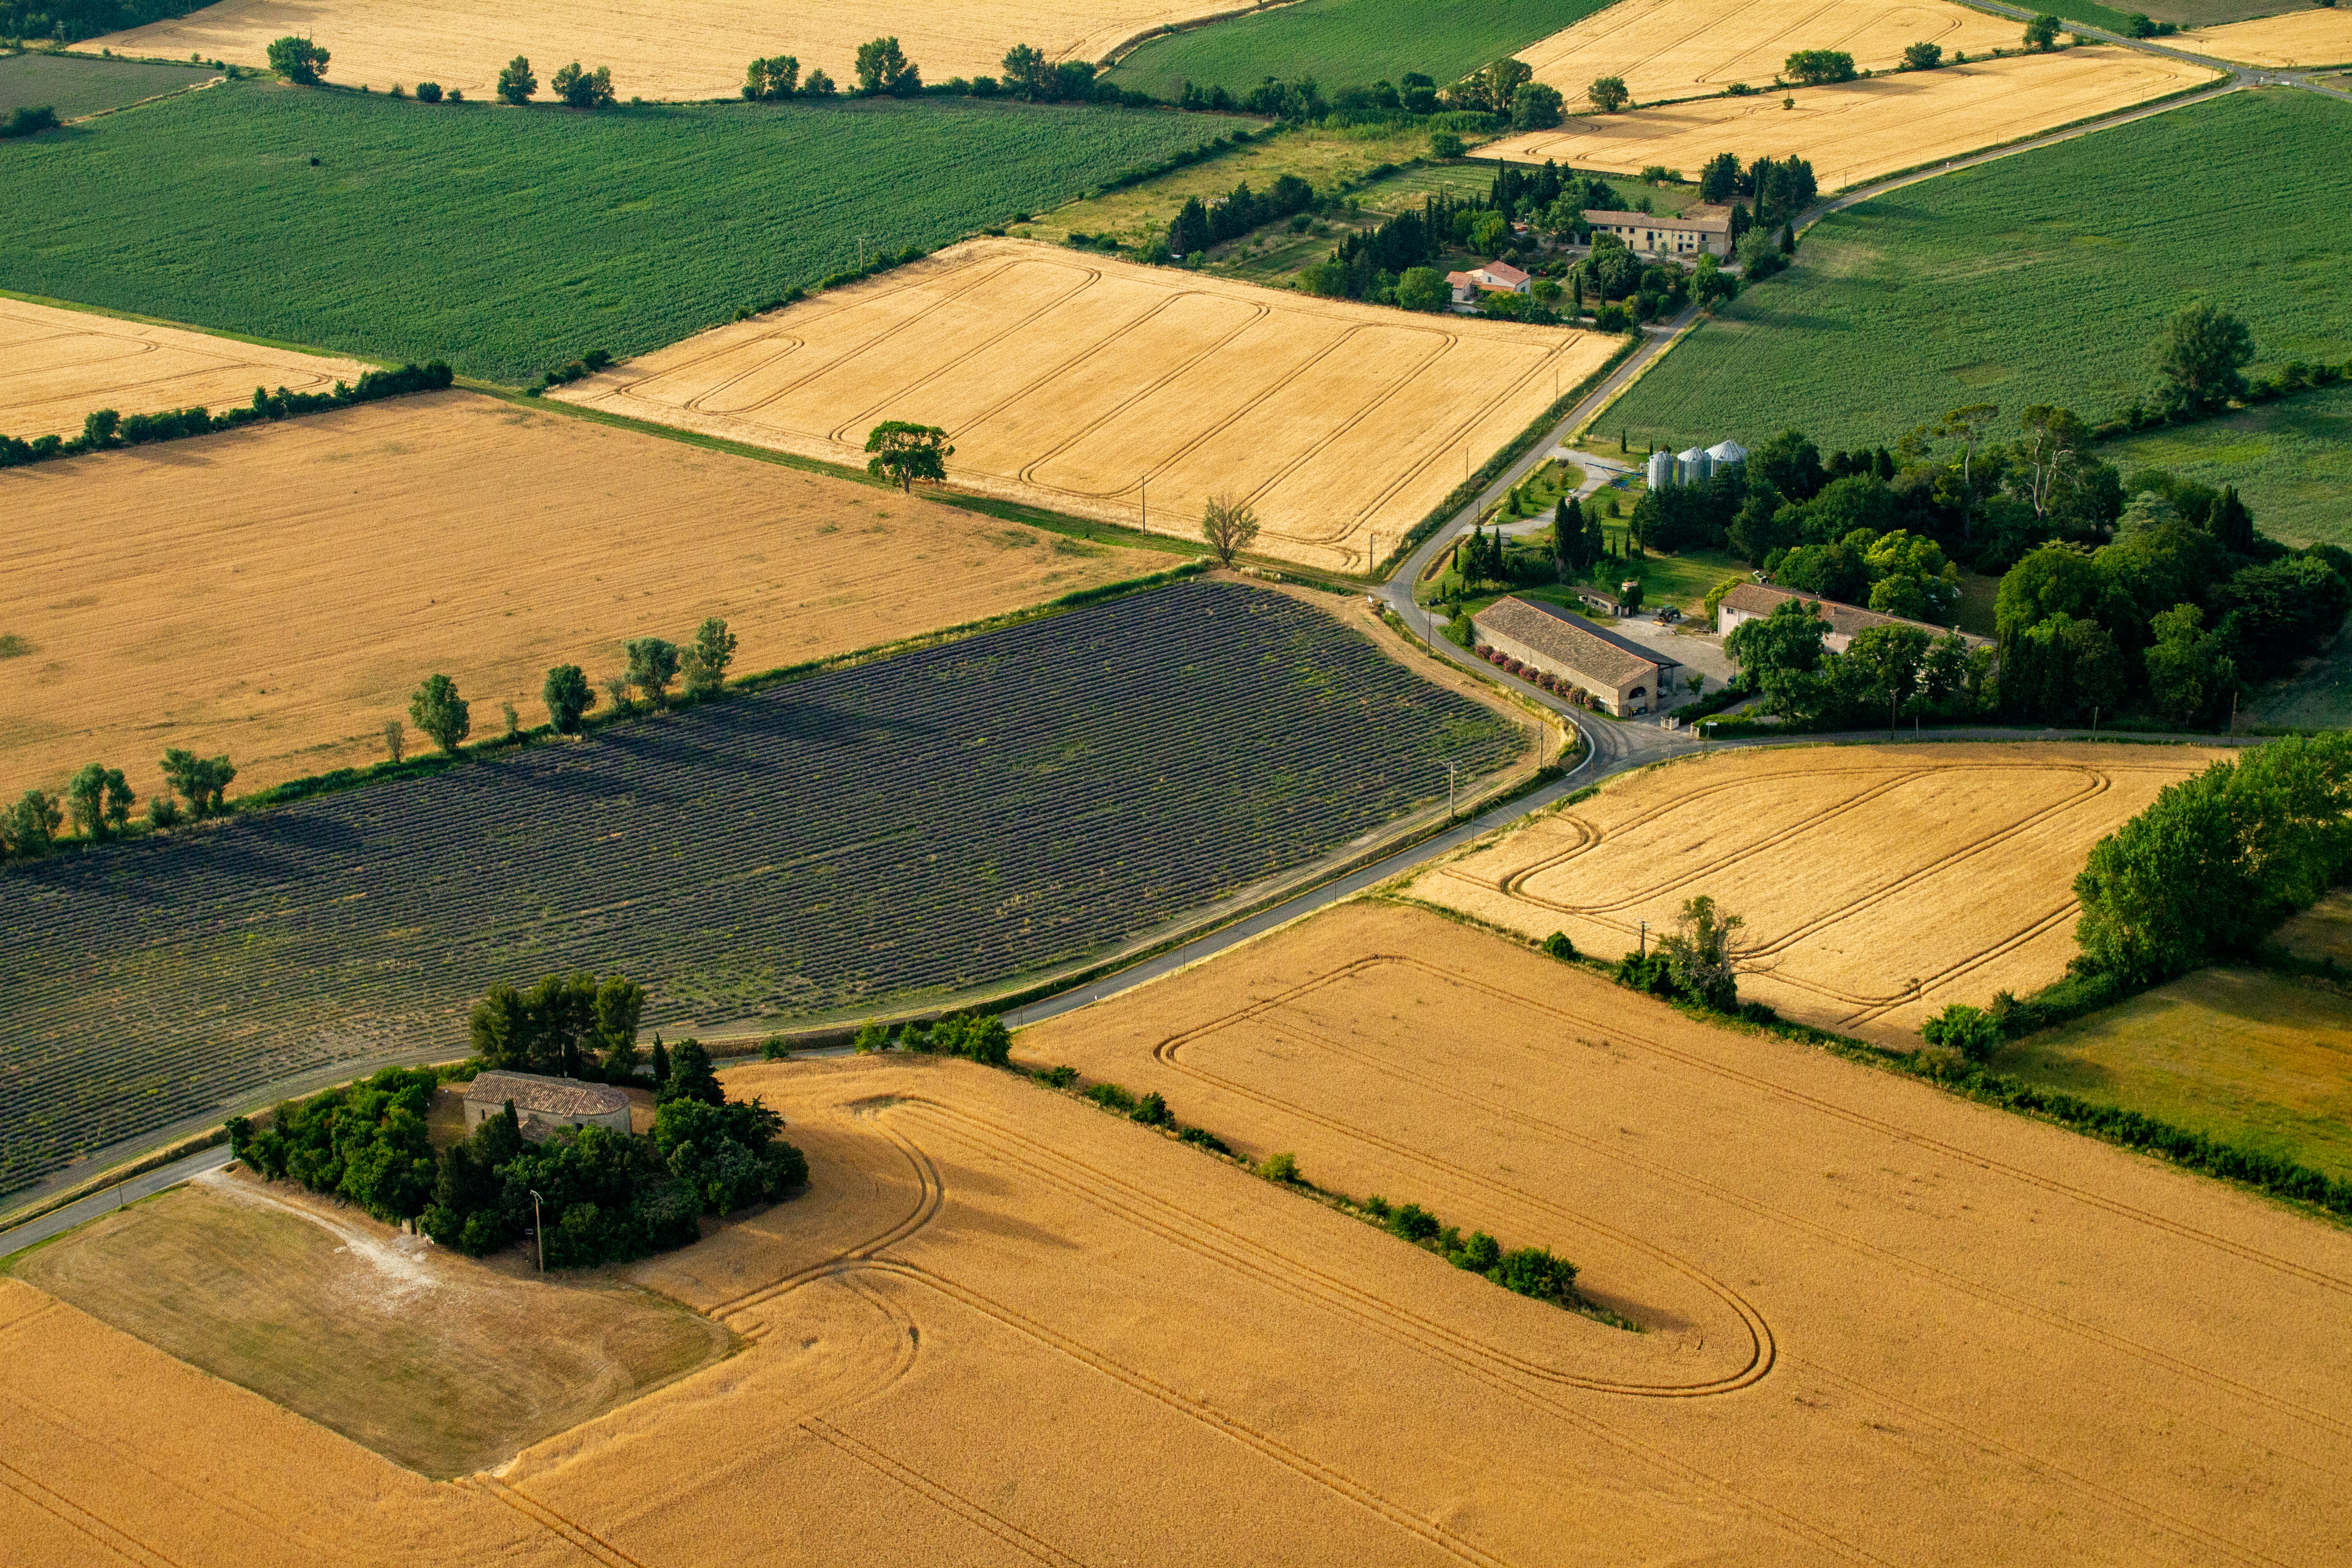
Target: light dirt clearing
{"points": [[1879, 883], [656, 51], [1686, 48], [2297, 38], [439, 1364], [277, 593], [1074, 382], [1004, 1327], [58, 367], [1857, 131]]}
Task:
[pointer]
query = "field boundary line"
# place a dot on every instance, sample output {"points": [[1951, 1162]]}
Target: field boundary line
{"points": [[938, 1495], [75, 1517], [313, 350], [144, 102]]}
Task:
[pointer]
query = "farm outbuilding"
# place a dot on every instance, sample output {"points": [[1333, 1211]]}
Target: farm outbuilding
{"points": [[1709, 232], [544, 1104], [1753, 600], [1616, 675]]}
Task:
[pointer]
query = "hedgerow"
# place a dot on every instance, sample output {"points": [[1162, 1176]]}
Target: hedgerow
{"points": [[106, 428]]}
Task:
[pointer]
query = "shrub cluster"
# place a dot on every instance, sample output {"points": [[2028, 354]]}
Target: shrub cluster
{"points": [[972, 1036], [569, 371], [105, 427], [1528, 1271], [29, 122]]}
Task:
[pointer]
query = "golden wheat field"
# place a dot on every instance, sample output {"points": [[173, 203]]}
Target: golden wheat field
{"points": [[57, 367], [1876, 1324], [1858, 131], [1687, 48], [2317, 37], [1113, 389], [276, 592], [656, 51], [1878, 883]]}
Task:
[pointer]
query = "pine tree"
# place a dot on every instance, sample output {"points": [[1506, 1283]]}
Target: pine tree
{"points": [[2234, 525]]}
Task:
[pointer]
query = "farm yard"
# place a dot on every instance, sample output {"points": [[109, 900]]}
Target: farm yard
{"points": [[247, 597], [62, 365], [1878, 883], [1937, 294], [321, 1310], [984, 1257], [74, 87], [2316, 36], [1074, 381], [1857, 131], [897, 833], [655, 51], [1344, 43], [433, 231], [1690, 48]]}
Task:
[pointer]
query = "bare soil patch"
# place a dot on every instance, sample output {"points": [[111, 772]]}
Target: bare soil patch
{"points": [[276, 592], [1687, 48], [60, 366], [1858, 131], [1110, 389], [1007, 1327], [2316, 36], [441, 1364], [656, 51], [1878, 883]]}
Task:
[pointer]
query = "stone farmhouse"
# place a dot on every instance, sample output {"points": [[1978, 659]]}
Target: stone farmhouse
{"points": [[1688, 235], [544, 1104], [1753, 600], [1619, 676]]}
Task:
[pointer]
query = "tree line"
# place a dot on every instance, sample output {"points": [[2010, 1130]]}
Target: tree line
{"points": [[105, 429]]}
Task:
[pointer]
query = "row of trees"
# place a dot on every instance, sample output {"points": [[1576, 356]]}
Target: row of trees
{"points": [[98, 801], [1885, 674], [1198, 224], [104, 429], [569, 1025]]}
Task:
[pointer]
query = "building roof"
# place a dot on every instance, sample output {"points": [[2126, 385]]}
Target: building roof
{"points": [[1501, 272], [1703, 223], [1846, 620], [536, 1096], [1565, 636]]}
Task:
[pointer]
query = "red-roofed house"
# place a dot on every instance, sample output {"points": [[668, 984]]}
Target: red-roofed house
{"points": [[1486, 278]]}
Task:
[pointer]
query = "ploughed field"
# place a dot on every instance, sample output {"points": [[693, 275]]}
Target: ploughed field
{"points": [[1003, 1326], [1688, 48], [507, 242], [276, 592], [1111, 389], [656, 51], [1857, 131], [58, 367], [2316, 36], [1878, 883], [899, 832]]}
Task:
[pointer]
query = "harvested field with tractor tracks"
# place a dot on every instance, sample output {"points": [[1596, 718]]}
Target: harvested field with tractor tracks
{"points": [[1108, 388], [60, 366], [2320, 36], [1879, 883], [979, 1258], [1857, 131], [1690, 48], [897, 833], [257, 592]]}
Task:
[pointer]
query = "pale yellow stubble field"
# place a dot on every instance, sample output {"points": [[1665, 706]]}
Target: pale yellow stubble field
{"points": [[2316, 36], [276, 592], [1858, 131], [1003, 1327], [1878, 883], [58, 367], [655, 50], [1113, 390], [1687, 48]]}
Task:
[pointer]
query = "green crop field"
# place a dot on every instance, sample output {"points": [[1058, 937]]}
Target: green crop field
{"points": [[2045, 277], [2290, 459], [1346, 43], [507, 240], [76, 86]]}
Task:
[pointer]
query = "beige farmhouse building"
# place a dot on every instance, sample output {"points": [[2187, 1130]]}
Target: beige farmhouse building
{"points": [[544, 1104], [1619, 676], [1667, 235], [1754, 601]]}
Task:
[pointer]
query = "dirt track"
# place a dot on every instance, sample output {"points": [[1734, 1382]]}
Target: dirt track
{"points": [[1885, 1326]]}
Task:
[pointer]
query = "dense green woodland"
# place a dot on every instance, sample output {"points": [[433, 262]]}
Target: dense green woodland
{"points": [[2045, 277], [70, 21], [505, 241]]}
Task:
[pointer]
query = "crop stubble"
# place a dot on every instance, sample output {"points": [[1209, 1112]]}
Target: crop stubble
{"points": [[897, 833], [1683, 49], [2316, 36], [1857, 131], [656, 51], [1991, 1318], [57, 367], [256, 593], [1101, 387], [1878, 883]]}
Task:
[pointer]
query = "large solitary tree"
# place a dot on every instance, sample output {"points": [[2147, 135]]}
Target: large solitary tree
{"points": [[1229, 526], [2203, 357], [299, 61], [903, 453], [883, 68], [652, 664], [567, 695], [515, 83], [100, 799], [437, 709], [584, 90], [1608, 94]]}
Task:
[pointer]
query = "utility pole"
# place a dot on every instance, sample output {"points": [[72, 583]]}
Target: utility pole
{"points": [[1645, 948], [1451, 768], [539, 1232], [2234, 715], [1145, 485]]}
